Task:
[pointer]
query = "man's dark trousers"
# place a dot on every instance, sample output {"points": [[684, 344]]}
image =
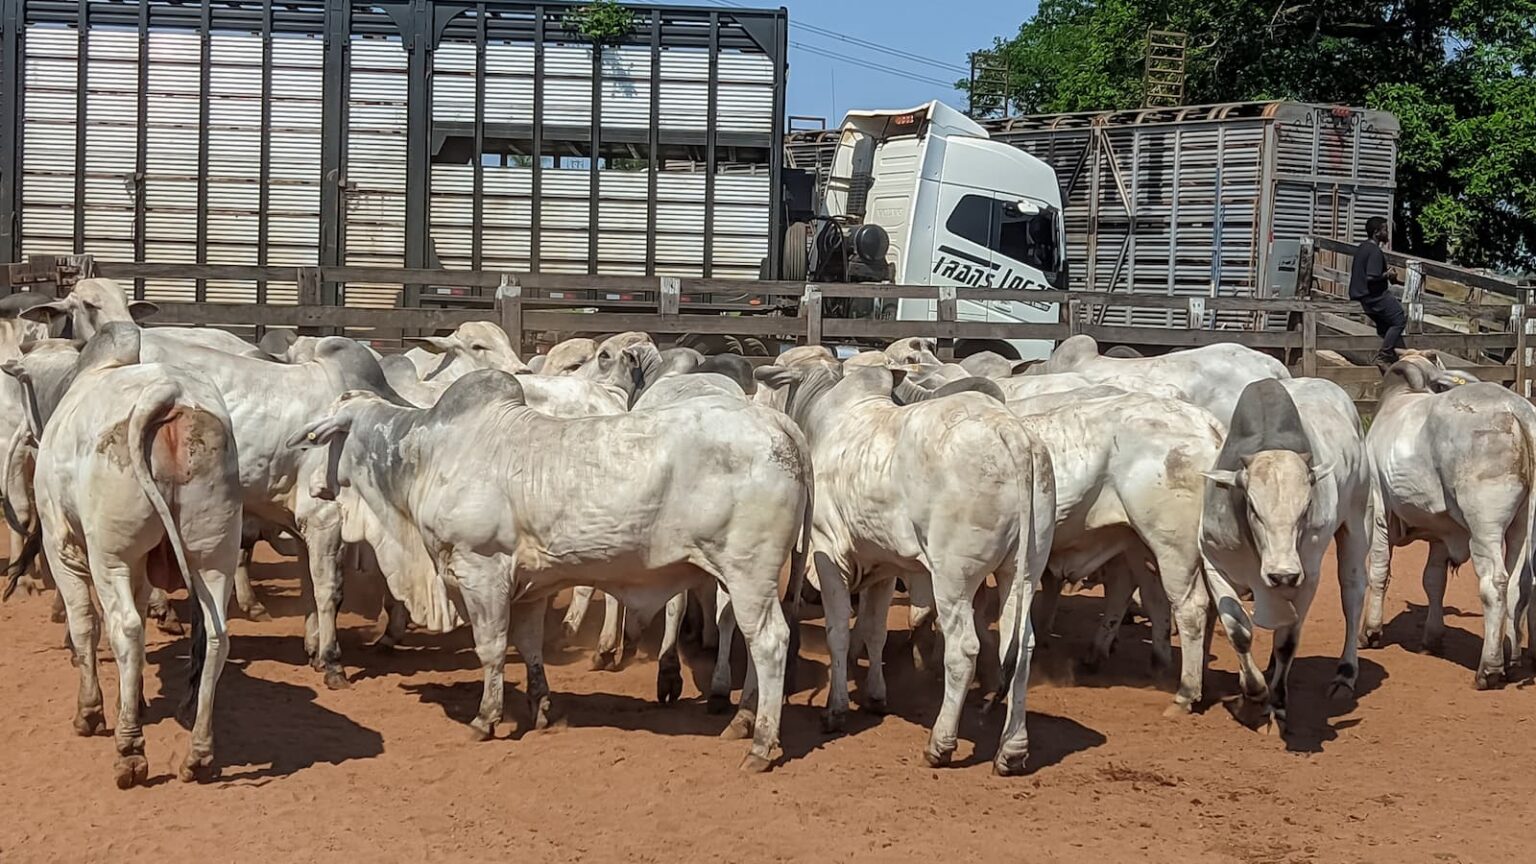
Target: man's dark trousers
{"points": [[1390, 319]]}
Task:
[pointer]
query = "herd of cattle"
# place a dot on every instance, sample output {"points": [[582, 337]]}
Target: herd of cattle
{"points": [[476, 487]]}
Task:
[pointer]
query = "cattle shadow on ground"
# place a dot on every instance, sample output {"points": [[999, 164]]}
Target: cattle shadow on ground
{"points": [[1313, 713], [266, 729], [1462, 647]]}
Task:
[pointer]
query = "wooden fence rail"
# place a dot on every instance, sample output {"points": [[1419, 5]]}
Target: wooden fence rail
{"points": [[521, 304]]}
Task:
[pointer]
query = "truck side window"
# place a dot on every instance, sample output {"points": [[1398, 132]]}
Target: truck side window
{"points": [[1028, 238], [972, 220]]}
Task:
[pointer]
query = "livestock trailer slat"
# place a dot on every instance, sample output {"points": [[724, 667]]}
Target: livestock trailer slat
{"points": [[312, 132]]}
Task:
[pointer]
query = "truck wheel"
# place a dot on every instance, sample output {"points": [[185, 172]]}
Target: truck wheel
{"points": [[710, 344], [797, 238], [753, 347], [966, 347]]}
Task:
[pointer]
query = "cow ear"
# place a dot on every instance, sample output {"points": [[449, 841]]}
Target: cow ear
{"points": [[1023, 366], [1225, 479], [775, 377], [436, 344], [322, 431], [14, 369], [1306, 456], [46, 313], [141, 309]]}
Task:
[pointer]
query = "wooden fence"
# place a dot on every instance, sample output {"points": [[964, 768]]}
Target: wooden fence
{"points": [[1324, 328]]}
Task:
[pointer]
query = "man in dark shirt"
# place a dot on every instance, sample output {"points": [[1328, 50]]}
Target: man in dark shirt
{"points": [[1369, 278]]}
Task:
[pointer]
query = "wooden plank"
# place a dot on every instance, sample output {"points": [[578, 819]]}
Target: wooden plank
{"points": [[1432, 268], [810, 307], [619, 322], [1466, 345], [1309, 344], [243, 315], [1370, 374]]}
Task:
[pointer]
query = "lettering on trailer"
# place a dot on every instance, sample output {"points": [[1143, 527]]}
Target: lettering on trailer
{"points": [[958, 267]]}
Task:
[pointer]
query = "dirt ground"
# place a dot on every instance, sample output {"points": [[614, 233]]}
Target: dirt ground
{"points": [[1422, 768]]}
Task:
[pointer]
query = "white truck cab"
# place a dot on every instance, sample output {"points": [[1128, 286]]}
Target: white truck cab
{"points": [[959, 209]]}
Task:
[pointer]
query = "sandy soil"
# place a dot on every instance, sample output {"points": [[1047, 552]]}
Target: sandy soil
{"points": [[1422, 768]]}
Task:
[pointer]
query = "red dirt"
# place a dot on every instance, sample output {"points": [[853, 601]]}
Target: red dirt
{"points": [[1422, 769]]}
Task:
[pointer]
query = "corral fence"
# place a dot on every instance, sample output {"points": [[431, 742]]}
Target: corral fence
{"points": [[1477, 321]]}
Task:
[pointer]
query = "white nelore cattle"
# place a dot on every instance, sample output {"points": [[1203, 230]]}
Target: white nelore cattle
{"points": [[1212, 376], [123, 440], [643, 504], [946, 491], [1456, 469], [912, 351], [1129, 487], [1291, 478], [13, 407], [93, 303]]}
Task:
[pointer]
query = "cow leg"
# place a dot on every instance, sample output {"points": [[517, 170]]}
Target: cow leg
{"points": [[1493, 563], [984, 611], [1239, 628], [836, 610], [487, 602], [874, 608], [396, 619], [1187, 593], [528, 638], [322, 538], [311, 617], [610, 648], [761, 618], [1047, 601], [1352, 545], [720, 681], [164, 613], [84, 632], [124, 593], [212, 578], [927, 653], [575, 613], [953, 594], [1378, 573], [1118, 587], [1435, 565], [669, 668], [58, 614], [1154, 604], [709, 631], [245, 595], [30, 582]]}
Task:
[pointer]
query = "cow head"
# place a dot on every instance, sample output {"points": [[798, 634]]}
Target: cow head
{"points": [[331, 432], [627, 361], [1276, 486], [912, 351], [477, 345], [569, 356], [89, 305]]}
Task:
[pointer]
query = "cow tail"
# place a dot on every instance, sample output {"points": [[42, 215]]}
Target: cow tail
{"points": [[799, 559], [155, 407], [1035, 532], [19, 512]]}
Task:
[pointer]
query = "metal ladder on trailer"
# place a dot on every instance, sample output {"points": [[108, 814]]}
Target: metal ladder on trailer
{"points": [[1163, 79]]}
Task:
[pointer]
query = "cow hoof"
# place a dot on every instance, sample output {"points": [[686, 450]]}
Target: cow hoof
{"points": [[1432, 645], [1092, 663], [1490, 680], [1161, 663], [1178, 710], [1371, 639], [336, 679], [876, 705], [383, 645], [539, 710], [479, 730], [1274, 724], [90, 722], [131, 771], [834, 720], [740, 726], [58, 616], [1341, 690], [755, 764], [937, 758], [605, 662], [197, 768], [1010, 766], [170, 626], [258, 612], [669, 681], [718, 703]]}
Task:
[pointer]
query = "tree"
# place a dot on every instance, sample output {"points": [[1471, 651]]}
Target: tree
{"points": [[1455, 72]]}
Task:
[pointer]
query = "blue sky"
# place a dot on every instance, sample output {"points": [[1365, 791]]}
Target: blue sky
{"points": [[945, 31]]}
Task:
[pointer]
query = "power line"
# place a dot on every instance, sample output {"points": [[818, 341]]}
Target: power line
{"points": [[890, 70], [865, 43]]}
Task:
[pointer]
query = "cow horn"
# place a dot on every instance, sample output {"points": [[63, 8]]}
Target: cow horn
{"points": [[908, 391], [984, 386]]}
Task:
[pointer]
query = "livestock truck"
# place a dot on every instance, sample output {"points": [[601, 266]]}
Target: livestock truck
{"points": [[496, 135]]}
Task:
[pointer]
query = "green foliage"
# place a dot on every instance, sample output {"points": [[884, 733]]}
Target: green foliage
{"points": [[1455, 72], [601, 22]]}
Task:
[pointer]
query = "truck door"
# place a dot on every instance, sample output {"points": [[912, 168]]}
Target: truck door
{"points": [[962, 243]]}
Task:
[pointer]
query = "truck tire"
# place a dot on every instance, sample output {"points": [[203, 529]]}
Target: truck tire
{"points": [[966, 347], [754, 347], [710, 344], [797, 238]]}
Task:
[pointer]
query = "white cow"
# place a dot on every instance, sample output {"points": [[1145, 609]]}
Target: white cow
{"points": [[1212, 376], [1129, 487], [1456, 469], [1292, 477], [643, 504], [947, 491], [123, 440], [95, 302]]}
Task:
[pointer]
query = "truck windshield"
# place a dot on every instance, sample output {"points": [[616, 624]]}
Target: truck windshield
{"points": [[1028, 238]]}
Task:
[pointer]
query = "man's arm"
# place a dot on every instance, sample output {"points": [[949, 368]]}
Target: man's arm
{"points": [[1377, 274]]}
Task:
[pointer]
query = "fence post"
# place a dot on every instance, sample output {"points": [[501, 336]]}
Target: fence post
{"points": [[308, 281], [667, 299], [1517, 323], [810, 304], [1309, 343], [1413, 295], [1306, 256], [948, 312], [509, 307], [1074, 317], [1196, 313]]}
